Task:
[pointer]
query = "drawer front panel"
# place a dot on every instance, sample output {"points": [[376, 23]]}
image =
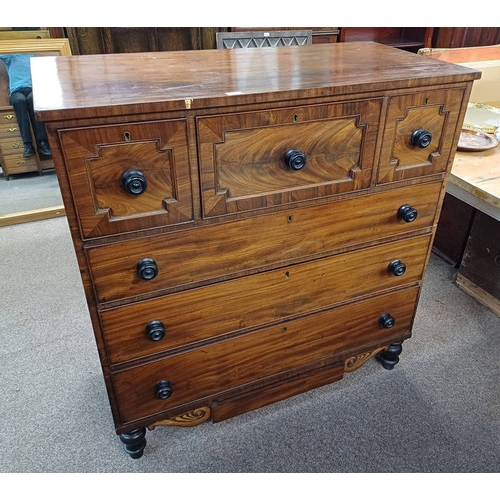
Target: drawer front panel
{"points": [[203, 373], [216, 252], [129, 177], [17, 164], [272, 296], [11, 146], [10, 130], [419, 134], [244, 163], [7, 115]]}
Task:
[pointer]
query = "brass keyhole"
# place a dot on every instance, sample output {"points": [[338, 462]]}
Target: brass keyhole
{"points": [[127, 136], [295, 118], [290, 218], [287, 275]]}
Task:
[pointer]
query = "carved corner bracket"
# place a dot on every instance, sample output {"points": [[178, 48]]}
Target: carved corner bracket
{"points": [[355, 362], [189, 419]]}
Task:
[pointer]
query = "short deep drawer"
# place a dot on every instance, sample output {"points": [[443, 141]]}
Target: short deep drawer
{"points": [[419, 132], [129, 177], [204, 373]]}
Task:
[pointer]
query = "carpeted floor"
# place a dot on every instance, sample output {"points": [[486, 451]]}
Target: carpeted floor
{"points": [[437, 411], [29, 191]]}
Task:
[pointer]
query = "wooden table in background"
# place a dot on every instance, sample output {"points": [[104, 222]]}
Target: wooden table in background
{"points": [[475, 180]]}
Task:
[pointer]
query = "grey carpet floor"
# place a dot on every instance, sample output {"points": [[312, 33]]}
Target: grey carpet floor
{"points": [[437, 411], [29, 191]]}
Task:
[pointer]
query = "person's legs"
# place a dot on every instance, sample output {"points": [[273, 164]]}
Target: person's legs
{"points": [[19, 103], [38, 128]]}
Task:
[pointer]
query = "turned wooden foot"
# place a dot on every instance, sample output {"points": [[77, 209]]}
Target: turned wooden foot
{"points": [[134, 442], [389, 357]]}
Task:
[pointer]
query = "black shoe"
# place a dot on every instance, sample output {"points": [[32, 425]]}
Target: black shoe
{"points": [[44, 148], [29, 150]]}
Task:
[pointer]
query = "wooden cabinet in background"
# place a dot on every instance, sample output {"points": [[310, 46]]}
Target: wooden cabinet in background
{"points": [[319, 35], [12, 146], [410, 39], [139, 39], [142, 39], [465, 37]]}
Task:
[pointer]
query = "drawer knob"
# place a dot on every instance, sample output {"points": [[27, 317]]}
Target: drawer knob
{"points": [[155, 330], [386, 320], [421, 138], [397, 268], [163, 389], [134, 182], [295, 159], [407, 213], [147, 269]]}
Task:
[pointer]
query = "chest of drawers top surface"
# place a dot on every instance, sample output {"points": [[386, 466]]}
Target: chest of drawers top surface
{"points": [[102, 85]]}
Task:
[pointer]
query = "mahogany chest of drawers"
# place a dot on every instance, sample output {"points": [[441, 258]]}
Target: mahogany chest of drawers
{"points": [[249, 224]]}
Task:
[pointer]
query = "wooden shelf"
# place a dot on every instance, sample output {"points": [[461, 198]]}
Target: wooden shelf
{"points": [[410, 39]]}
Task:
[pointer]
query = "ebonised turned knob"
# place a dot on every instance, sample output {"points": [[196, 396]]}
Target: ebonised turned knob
{"points": [[421, 138], [134, 182], [386, 320], [147, 269], [163, 389], [407, 213], [397, 268], [155, 330], [295, 159]]}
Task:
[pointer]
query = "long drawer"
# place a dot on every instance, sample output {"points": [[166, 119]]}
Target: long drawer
{"points": [[218, 251], [186, 317], [203, 373]]}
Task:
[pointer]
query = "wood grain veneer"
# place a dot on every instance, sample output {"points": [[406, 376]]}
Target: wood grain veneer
{"points": [[235, 305]]}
